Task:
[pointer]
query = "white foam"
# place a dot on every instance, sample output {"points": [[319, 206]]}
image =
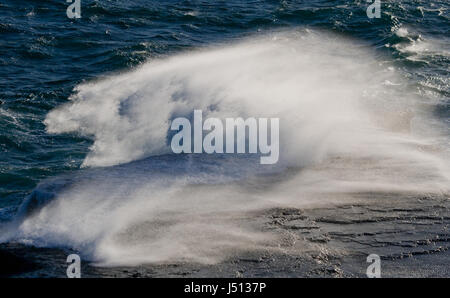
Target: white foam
{"points": [[420, 47]]}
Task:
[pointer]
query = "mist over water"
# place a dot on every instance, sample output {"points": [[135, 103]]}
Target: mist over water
{"points": [[348, 125]]}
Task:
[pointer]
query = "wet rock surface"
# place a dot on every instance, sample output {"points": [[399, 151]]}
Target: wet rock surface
{"points": [[409, 233]]}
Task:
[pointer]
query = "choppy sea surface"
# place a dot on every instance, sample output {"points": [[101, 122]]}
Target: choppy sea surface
{"points": [[86, 105]]}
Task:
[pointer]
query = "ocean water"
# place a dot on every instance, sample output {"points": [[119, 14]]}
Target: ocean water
{"points": [[86, 105]]}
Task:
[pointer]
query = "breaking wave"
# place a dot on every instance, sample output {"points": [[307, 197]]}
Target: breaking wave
{"points": [[349, 125]]}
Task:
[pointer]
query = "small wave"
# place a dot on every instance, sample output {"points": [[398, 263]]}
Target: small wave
{"points": [[8, 28], [420, 48]]}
